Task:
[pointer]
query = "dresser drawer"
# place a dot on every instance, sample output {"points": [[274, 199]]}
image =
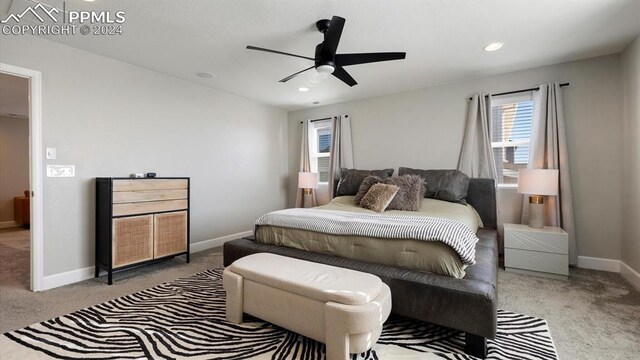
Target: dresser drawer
{"points": [[148, 207], [545, 241], [148, 195], [149, 184], [536, 261]]}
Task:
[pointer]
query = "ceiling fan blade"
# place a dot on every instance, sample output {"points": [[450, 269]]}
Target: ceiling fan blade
{"points": [[355, 59], [332, 37], [296, 74], [343, 75], [278, 52]]}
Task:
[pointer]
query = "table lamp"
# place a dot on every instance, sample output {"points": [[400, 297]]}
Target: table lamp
{"points": [[537, 183], [307, 181]]}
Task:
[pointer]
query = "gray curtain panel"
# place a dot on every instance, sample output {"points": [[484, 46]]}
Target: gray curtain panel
{"points": [[305, 166], [341, 155], [476, 157], [548, 150]]}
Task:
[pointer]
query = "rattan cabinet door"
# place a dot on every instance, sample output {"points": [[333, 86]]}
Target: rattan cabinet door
{"points": [[132, 240], [170, 233]]}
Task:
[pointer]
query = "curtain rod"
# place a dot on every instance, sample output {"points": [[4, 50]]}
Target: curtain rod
{"points": [[314, 120], [523, 90]]}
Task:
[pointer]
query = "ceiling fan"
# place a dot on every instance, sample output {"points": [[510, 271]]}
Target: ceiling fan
{"points": [[326, 61]]}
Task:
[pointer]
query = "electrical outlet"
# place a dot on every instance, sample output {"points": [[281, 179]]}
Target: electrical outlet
{"points": [[51, 153], [61, 170]]}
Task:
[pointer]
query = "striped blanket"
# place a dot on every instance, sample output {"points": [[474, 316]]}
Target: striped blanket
{"points": [[451, 232]]}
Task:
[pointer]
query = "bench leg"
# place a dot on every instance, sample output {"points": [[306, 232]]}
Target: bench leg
{"points": [[234, 287], [475, 345], [337, 346]]}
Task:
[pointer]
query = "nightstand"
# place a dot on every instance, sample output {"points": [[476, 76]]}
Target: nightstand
{"points": [[542, 252]]}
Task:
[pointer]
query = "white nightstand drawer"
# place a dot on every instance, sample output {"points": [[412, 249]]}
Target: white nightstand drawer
{"points": [[536, 261], [549, 240]]}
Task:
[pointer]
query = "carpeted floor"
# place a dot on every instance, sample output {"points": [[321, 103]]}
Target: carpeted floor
{"points": [[594, 315], [20, 307], [14, 258]]}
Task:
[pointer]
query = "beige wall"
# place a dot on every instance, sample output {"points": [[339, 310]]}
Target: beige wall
{"points": [[631, 156], [424, 128], [14, 162], [109, 118]]}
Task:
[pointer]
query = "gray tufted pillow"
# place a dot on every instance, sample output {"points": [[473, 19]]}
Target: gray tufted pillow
{"points": [[350, 179], [447, 185]]}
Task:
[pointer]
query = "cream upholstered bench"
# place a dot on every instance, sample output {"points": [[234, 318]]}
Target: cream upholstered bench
{"points": [[343, 308]]}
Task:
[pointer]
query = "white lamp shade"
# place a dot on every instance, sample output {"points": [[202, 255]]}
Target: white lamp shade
{"points": [[538, 181], [307, 180]]}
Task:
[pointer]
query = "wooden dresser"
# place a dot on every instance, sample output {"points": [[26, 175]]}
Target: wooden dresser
{"points": [[140, 221]]}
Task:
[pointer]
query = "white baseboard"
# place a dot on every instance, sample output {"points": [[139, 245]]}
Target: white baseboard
{"points": [[73, 276], [8, 224], [211, 243], [611, 265], [629, 274], [66, 278]]}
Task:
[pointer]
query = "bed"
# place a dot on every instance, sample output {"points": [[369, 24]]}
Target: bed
{"points": [[429, 256], [464, 301]]}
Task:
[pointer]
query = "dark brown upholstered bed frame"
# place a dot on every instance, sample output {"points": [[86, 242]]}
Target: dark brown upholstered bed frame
{"points": [[468, 304]]}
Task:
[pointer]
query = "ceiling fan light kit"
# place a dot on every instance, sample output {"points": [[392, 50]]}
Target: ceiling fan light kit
{"points": [[325, 69], [326, 61]]}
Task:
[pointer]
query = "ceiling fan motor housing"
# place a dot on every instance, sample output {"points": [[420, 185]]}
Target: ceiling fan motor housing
{"points": [[323, 61]]}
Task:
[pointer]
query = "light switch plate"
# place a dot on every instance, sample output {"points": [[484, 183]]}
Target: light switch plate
{"points": [[61, 170], [51, 153]]}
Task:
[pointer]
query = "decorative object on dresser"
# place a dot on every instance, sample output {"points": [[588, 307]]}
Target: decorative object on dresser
{"points": [[537, 183], [307, 181], [140, 221], [542, 252]]}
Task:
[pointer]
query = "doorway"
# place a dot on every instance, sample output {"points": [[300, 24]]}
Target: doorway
{"points": [[21, 205], [15, 205]]}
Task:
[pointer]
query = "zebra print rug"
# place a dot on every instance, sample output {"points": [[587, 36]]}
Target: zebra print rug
{"points": [[185, 318]]}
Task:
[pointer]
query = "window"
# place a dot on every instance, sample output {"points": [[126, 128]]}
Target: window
{"points": [[511, 132], [320, 148]]}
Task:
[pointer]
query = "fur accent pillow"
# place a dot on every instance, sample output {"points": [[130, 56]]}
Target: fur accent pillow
{"points": [[447, 185], [366, 184], [410, 194], [350, 179], [379, 197]]}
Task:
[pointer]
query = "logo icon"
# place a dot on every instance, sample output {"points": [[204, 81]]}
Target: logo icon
{"points": [[34, 11]]}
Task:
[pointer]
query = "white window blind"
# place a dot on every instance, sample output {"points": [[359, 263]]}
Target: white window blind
{"points": [[511, 133], [319, 148]]}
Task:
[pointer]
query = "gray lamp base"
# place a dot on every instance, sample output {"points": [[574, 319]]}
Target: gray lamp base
{"points": [[536, 215]]}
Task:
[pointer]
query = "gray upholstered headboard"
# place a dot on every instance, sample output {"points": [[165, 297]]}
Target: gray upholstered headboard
{"points": [[482, 196]]}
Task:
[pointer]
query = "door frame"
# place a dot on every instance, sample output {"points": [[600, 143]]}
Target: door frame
{"points": [[35, 170]]}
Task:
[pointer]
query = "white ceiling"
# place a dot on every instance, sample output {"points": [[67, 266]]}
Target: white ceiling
{"points": [[14, 95], [444, 40]]}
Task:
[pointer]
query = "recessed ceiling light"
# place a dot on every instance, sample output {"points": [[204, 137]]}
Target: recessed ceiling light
{"points": [[316, 102], [493, 46], [205, 75], [303, 89]]}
